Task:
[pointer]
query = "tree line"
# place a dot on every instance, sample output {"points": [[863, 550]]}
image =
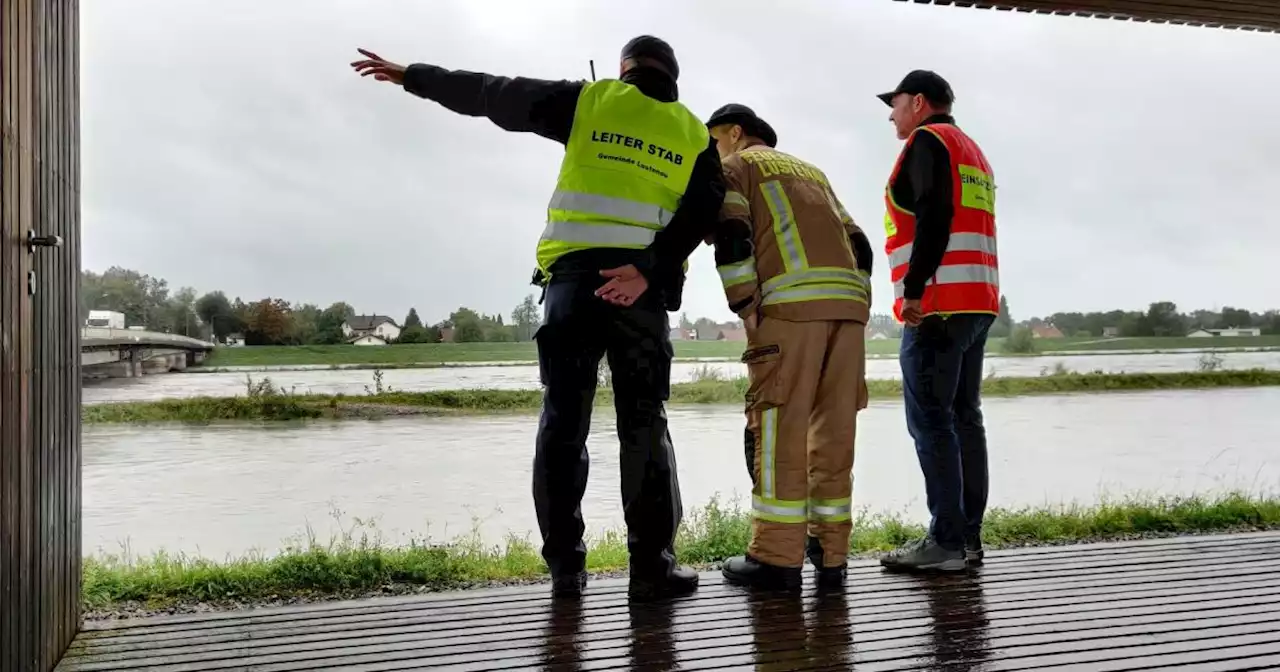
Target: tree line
{"points": [[147, 301]]}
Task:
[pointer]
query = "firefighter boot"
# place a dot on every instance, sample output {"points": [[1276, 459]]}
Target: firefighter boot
{"points": [[749, 572], [826, 577]]}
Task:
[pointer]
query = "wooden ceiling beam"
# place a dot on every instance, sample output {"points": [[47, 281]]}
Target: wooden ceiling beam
{"points": [[1250, 15]]}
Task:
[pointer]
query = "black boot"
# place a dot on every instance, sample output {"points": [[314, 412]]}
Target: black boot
{"points": [[569, 585], [679, 581], [749, 572], [827, 577]]}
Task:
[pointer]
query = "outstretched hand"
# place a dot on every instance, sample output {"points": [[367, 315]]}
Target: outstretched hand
{"points": [[626, 285], [382, 70]]}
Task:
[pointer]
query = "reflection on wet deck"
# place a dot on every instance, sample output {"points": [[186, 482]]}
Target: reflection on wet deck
{"points": [[1206, 603]]}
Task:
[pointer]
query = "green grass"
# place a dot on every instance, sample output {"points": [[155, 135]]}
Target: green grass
{"points": [[423, 353], [1162, 343], [263, 403], [426, 354], [362, 564]]}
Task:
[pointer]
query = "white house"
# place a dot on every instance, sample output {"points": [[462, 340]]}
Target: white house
{"points": [[367, 339], [381, 326], [1229, 332]]}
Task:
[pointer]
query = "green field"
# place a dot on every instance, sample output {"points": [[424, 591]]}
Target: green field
{"points": [[354, 565], [426, 354], [261, 402]]}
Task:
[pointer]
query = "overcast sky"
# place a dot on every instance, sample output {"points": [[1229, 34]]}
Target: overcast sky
{"points": [[228, 145]]}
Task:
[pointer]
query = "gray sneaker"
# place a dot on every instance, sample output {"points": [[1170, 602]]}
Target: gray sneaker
{"points": [[926, 555]]}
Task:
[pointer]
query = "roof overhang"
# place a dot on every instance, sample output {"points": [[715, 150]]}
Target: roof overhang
{"points": [[1254, 15]]}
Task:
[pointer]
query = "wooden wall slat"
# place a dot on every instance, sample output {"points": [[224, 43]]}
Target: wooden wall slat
{"points": [[40, 547]]}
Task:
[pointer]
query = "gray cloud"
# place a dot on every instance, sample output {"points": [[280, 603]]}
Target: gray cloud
{"points": [[228, 146]]}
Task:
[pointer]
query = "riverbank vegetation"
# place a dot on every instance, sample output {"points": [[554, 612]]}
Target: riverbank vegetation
{"points": [[437, 354], [359, 563], [263, 401]]}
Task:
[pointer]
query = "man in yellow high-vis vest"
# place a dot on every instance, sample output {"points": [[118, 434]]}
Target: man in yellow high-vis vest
{"points": [[639, 188]]}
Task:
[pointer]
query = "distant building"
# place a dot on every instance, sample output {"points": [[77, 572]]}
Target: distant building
{"points": [[710, 331], [234, 340], [1110, 332], [367, 339], [381, 326], [1228, 332], [1046, 331], [876, 335], [446, 334], [734, 334], [679, 334]]}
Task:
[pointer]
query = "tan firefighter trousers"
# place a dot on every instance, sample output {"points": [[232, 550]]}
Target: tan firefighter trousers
{"points": [[802, 408]]}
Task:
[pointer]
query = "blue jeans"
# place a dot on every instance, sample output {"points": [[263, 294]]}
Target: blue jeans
{"points": [[942, 386]]}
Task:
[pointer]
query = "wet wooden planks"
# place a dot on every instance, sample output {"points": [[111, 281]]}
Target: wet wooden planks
{"points": [[1202, 603], [39, 332]]}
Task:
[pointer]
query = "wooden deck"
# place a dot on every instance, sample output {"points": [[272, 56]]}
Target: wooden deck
{"points": [[1208, 604]]}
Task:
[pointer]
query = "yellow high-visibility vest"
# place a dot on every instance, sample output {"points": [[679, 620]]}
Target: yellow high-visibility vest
{"points": [[625, 168]]}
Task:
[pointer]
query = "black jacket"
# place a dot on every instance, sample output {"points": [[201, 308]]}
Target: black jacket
{"points": [[547, 107], [924, 186]]}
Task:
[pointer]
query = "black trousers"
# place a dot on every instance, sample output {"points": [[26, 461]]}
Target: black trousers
{"points": [[579, 329]]}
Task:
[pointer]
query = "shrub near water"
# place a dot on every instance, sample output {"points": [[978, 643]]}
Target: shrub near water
{"points": [[264, 402], [360, 565]]}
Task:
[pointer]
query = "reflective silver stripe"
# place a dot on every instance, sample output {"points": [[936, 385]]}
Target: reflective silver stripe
{"points": [[610, 206], [784, 225], [733, 274], [758, 504], [960, 273], [959, 242], [811, 275], [830, 511], [770, 441], [813, 293], [598, 233], [736, 198]]}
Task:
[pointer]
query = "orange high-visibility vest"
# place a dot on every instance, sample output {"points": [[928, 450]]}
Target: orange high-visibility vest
{"points": [[968, 279]]}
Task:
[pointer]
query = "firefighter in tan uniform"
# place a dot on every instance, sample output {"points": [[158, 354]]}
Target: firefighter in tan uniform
{"points": [[797, 270]]}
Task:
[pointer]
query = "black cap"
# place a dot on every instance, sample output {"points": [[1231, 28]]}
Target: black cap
{"points": [[733, 113], [648, 46], [927, 83]]}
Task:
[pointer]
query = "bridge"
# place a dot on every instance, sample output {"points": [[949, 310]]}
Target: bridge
{"points": [[129, 353]]}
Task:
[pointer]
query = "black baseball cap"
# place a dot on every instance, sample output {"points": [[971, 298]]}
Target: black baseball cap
{"points": [[734, 113], [927, 83], [648, 46]]}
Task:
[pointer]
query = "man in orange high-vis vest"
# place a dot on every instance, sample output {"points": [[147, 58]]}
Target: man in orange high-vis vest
{"points": [[940, 232]]}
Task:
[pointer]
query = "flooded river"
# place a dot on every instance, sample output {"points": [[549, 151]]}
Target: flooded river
{"points": [[353, 381], [228, 489]]}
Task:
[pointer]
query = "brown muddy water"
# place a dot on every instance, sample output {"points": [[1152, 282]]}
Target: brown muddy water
{"points": [[228, 489], [350, 381]]}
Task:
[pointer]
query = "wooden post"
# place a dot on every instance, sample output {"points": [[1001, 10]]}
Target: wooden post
{"points": [[40, 545]]}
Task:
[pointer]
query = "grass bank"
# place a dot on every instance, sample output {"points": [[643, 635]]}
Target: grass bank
{"points": [[429, 354], [262, 402], [361, 565]]}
